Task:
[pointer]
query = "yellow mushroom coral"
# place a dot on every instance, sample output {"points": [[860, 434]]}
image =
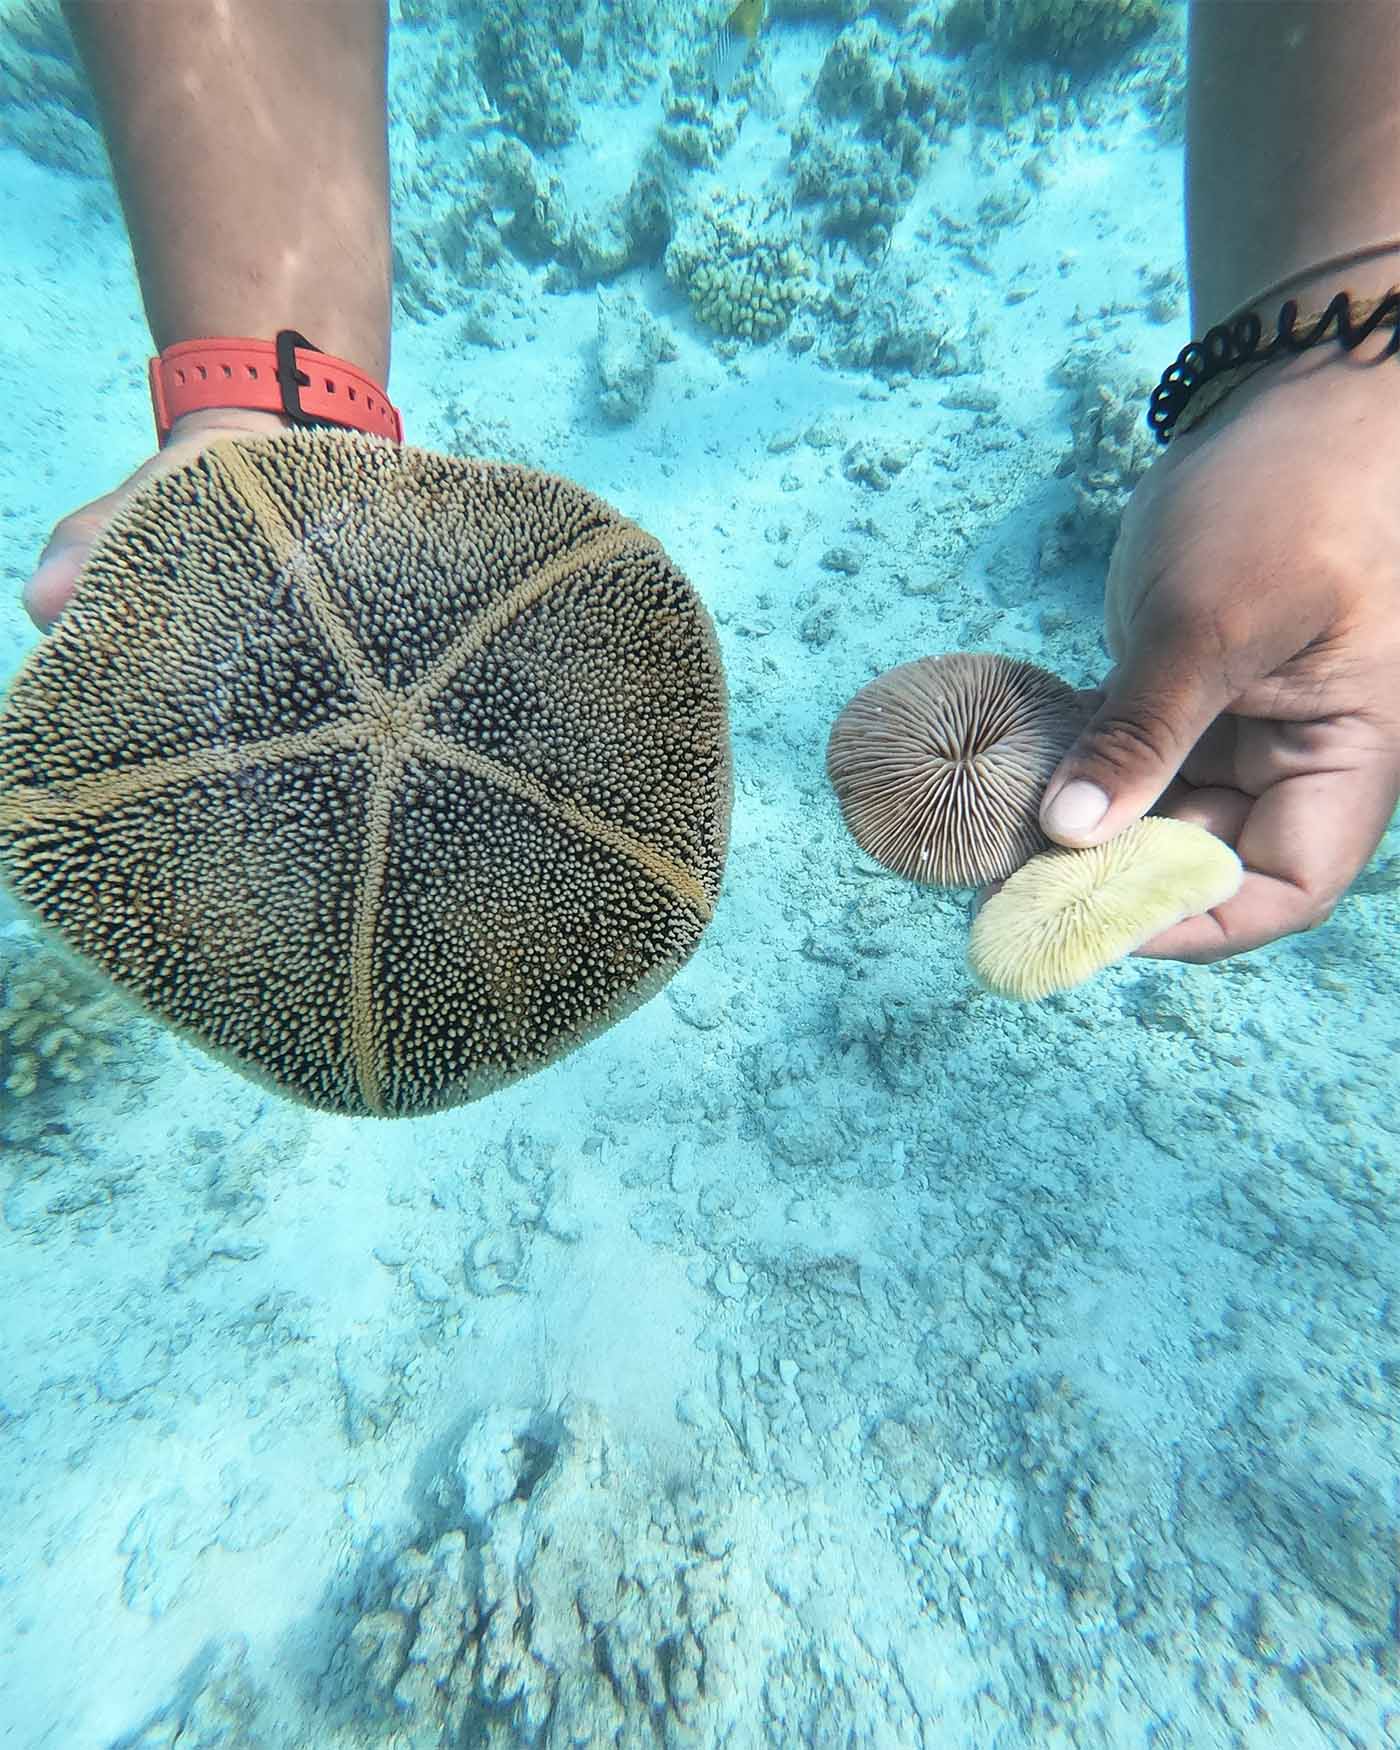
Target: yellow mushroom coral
{"points": [[1065, 914]]}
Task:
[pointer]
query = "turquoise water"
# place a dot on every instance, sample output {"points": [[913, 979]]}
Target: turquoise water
{"points": [[829, 1354]]}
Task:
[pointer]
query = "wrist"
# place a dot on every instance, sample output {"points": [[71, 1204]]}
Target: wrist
{"points": [[203, 420], [1366, 274], [287, 377], [1322, 397], [1227, 357]]}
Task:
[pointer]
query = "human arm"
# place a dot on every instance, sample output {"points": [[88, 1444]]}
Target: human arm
{"points": [[248, 143], [1253, 606]]}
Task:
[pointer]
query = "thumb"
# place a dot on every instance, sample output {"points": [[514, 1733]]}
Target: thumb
{"points": [[46, 592], [1157, 704]]}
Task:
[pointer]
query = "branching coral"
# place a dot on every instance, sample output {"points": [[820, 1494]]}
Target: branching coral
{"points": [[1082, 32], [217, 1703], [538, 228], [566, 1603], [1109, 453], [860, 192], [1076, 30], [867, 77], [698, 129], [743, 277], [56, 1025], [863, 182], [524, 60], [896, 324]]}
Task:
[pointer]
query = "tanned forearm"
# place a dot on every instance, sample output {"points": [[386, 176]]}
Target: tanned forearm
{"points": [[1293, 148], [248, 140]]}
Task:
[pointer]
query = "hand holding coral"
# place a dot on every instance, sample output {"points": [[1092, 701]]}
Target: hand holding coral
{"points": [[1253, 615]]}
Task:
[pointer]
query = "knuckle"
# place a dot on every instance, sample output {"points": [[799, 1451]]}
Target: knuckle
{"points": [[62, 534], [1125, 743], [76, 529]]}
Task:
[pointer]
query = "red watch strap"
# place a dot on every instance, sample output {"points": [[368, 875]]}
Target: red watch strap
{"points": [[287, 376]]}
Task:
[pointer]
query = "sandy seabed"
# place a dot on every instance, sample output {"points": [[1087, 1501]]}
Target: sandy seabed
{"points": [[831, 1354]]}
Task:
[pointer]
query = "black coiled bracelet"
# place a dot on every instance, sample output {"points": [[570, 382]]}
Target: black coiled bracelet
{"points": [[1236, 343]]}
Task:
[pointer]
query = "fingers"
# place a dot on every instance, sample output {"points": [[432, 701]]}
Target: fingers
{"points": [[1218, 809], [1158, 702], [1257, 914], [1302, 843], [46, 592]]}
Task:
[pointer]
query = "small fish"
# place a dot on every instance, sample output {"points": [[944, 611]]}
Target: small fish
{"points": [[485, 124], [734, 45], [746, 18]]}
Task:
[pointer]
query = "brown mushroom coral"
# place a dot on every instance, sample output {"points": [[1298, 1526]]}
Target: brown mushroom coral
{"points": [[939, 764], [385, 775]]}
